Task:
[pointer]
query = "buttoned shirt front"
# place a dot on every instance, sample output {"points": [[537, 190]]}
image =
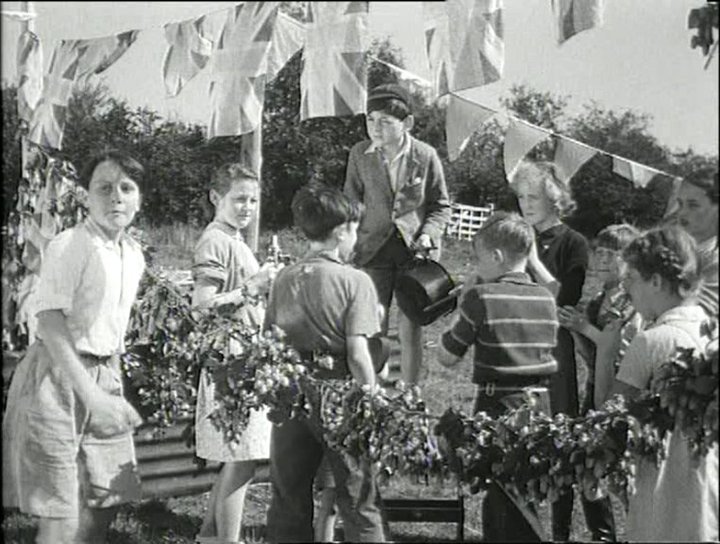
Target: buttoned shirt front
{"points": [[93, 280], [397, 166]]}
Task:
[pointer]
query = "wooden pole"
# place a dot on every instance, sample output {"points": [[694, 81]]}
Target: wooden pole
{"points": [[251, 153], [25, 26]]}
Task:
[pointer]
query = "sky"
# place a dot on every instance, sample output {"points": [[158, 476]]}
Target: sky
{"points": [[640, 59]]}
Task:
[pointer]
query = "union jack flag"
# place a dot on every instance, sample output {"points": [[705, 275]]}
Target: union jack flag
{"points": [[189, 52], [30, 69], [334, 77], [464, 43], [48, 122], [574, 16], [72, 61], [239, 67]]}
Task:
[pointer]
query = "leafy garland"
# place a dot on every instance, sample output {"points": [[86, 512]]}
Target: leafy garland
{"points": [[532, 454]]}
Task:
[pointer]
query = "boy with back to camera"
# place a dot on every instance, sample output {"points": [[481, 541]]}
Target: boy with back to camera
{"points": [[400, 181], [324, 304], [511, 321]]}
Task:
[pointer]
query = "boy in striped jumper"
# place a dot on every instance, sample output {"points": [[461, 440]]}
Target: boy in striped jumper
{"points": [[512, 323]]}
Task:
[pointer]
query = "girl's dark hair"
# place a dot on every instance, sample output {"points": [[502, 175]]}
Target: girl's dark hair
{"points": [[132, 168], [705, 178], [669, 252], [318, 208]]}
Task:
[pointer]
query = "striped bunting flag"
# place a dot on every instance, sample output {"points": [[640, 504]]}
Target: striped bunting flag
{"points": [[464, 43], [239, 66], [334, 77], [30, 73], [574, 16], [188, 53], [73, 61]]}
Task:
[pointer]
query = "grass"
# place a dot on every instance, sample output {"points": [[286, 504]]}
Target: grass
{"points": [[177, 520]]}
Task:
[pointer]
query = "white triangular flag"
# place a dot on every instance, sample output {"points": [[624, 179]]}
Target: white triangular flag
{"points": [[638, 173], [462, 119], [570, 156], [520, 138]]}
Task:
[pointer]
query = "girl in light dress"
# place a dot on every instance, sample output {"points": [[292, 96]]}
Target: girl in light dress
{"points": [[225, 271], [677, 501]]}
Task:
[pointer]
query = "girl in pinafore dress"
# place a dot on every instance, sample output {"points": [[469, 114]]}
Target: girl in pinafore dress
{"points": [[68, 452], [677, 500], [224, 270]]}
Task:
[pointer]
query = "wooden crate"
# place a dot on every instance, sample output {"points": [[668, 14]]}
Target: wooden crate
{"points": [[428, 511]]}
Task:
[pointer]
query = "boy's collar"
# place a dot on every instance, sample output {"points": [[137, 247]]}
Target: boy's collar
{"points": [[96, 230], [404, 147], [510, 277], [227, 228], [513, 276], [329, 254]]}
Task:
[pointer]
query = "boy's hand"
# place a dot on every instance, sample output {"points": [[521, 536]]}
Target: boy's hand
{"points": [[262, 281], [424, 242], [572, 319], [111, 415]]}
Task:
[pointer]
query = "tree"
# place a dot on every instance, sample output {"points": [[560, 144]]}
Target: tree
{"points": [[11, 149]]}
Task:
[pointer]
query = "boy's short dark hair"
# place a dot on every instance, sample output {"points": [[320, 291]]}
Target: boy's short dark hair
{"points": [[616, 237], [390, 98], [318, 208], [129, 165], [508, 232], [224, 175]]}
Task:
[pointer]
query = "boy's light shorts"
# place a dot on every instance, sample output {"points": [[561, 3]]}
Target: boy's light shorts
{"points": [[51, 462]]}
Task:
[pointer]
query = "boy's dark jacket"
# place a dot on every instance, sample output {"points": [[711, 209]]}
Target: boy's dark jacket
{"points": [[419, 206]]}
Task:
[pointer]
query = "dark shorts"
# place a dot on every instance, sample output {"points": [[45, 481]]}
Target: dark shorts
{"points": [[393, 258]]}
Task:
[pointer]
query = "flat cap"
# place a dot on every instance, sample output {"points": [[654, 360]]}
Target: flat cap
{"points": [[390, 90]]}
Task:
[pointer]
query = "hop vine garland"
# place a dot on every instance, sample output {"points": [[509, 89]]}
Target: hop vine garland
{"points": [[536, 456], [533, 455]]}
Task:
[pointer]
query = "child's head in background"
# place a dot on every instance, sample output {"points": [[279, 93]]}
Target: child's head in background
{"points": [[326, 215], [606, 258], [662, 270], [541, 195], [235, 193], [502, 245]]}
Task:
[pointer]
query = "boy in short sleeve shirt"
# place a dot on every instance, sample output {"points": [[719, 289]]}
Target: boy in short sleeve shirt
{"points": [[323, 304], [511, 322]]}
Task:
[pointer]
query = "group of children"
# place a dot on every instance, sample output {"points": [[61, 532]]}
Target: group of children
{"points": [[68, 448]]}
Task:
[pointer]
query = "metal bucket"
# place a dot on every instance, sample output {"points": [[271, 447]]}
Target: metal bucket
{"points": [[426, 291]]}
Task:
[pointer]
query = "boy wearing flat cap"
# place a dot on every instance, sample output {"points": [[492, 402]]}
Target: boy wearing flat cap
{"points": [[400, 181]]}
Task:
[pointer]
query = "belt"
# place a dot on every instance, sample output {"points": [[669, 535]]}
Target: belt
{"points": [[489, 388]]}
